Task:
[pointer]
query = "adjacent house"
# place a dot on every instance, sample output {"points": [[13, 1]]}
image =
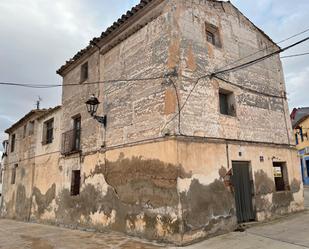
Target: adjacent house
{"points": [[181, 152], [32, 154], [300, 123]]}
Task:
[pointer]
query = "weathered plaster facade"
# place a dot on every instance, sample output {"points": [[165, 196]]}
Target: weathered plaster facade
{"points": [[148, 173]]}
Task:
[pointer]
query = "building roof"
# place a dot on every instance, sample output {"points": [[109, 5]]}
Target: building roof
{"points": [[33, 113], [49, 111], [299, 115], [124, 19]]}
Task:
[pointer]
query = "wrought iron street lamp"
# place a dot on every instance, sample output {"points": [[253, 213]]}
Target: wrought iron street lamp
{"points": [[92, 106]]}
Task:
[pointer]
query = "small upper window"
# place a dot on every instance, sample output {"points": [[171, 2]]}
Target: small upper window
{"points": [[212, 35], [84, 72], [48, 131], [227, 103], [13, 138]]}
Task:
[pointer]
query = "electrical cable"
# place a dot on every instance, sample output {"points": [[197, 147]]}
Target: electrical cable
{"points": [[251, 90], [81, 84], [267, 47], [293, 55], [250, 63], [153, 78]]}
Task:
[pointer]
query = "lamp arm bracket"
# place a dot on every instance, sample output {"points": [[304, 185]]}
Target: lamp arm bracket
{"points": [[101, 119]]}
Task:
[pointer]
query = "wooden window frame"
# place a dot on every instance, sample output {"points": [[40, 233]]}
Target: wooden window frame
{"points": [[230, 102], [213, 30], [48, 131]]}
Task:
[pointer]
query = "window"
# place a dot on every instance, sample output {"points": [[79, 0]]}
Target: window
{"points": [[84, 72], [75, 182], [212, 35], [13, 177], [296, 139], [76, 133], [48, 130], [227, 103], [281, 176], [301, 133], [31, 128], [13, 138], [25, 131]]}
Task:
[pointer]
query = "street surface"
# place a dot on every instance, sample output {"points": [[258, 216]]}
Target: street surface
{"points": [[291, 232]]}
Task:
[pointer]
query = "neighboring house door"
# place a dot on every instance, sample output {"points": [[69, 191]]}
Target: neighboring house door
{"points": [[243, 192]]}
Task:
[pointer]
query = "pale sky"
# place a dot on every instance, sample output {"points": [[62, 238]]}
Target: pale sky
{"points": [[38, 36]]}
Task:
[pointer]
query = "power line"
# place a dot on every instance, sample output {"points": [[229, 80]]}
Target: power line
{"points": [[31, 85], [250, 63], [284, 40], [43, 86], [293, 55], [249, 89]]}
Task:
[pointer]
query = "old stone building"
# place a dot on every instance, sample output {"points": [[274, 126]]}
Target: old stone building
{"points": [[185, 153], [32, 155]]}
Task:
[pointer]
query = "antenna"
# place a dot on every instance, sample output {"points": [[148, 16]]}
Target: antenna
{"points": [[38, 102]]}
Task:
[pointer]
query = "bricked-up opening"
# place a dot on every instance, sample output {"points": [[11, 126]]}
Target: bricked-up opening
{"points": [[13, 177], [281, 176], [227, 102], [48, 131], [13, 138], [75, 182], [25, 131], [31, 128], [212, 34], [84, 72]]}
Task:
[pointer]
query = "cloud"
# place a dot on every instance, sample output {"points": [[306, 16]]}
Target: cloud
{"points": [[281, 19]]}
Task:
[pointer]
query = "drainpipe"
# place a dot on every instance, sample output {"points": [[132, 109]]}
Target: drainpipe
{"points": [[31, 189]]}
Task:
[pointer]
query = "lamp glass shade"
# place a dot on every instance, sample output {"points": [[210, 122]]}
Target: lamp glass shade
{"points": [[92, 105]]}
